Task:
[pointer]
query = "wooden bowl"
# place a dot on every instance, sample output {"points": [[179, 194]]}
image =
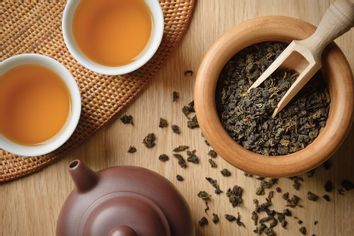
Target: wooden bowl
{"points": [[340, 80]]}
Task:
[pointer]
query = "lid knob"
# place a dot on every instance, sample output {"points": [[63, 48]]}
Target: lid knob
{"points": [[122, 231]]}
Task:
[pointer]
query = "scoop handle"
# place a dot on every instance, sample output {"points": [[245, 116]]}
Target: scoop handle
{"points": [[338, 19]]}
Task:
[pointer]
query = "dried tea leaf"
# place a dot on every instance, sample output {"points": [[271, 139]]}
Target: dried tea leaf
{"points": [[215, 218], [212, 163], [215, 184], [193, 123], [347, 184], [127, 119], [235, 195], [179, 178], [175, 96], [181, 148], [192, 157], [328, 186], [312, 197], [163, 123], [230, 218], [303, 230], [176, 129], [203, 222], [181, 162], [163, 157], [326, 197], [149, 140], [212, 153], [132, 149], [225, 172]]}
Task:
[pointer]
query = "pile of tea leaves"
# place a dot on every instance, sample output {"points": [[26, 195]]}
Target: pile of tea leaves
{"points": [[247, 117]]}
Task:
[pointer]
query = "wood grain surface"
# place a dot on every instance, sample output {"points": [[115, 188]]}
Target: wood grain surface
{"points": [[30, 206]]}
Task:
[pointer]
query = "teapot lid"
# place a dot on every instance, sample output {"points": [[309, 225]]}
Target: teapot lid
{"points": [[124, 214]]}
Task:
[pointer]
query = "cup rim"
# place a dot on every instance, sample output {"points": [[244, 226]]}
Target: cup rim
{"points": [[148, 52], [253, 31], [72, 121]]}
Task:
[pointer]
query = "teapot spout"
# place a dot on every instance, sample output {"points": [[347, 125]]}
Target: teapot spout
{"points": [[84, 178]]}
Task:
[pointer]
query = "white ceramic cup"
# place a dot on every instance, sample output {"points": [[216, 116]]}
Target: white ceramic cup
{"points": [[144, 57], [67, 130]]}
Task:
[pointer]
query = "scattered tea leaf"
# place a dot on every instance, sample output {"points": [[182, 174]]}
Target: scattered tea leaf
{"points": [[179, 178], [312, 197], [215, 218], [328, 186], [347, 184], [181, 162], [181, 148], [176, 129], [212, 163], [163, 157], [225, 172], [212, 153], [235, 195], [203, 221], [163, 123], [215, 184], [149, 140], [303, 230], [132, 149], [127, 119], [175, 96]]}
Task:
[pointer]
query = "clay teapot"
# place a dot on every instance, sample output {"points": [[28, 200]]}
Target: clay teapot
{"points": [[123, 201]]}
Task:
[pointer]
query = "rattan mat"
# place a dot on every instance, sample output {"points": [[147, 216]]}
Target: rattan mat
{"points": [[35, 27]]}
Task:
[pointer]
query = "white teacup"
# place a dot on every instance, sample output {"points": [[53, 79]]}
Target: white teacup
{"points": [[144, 57], [67, 130]]}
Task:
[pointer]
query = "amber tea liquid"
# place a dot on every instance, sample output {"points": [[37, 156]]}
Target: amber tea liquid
{"points": [[112, 32], [34, 104]]}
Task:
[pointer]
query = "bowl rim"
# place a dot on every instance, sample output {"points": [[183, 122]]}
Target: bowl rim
{"points": [[273, 28]]}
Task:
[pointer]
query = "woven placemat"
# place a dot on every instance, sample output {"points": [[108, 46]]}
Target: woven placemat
{"points": [[35, 27]]}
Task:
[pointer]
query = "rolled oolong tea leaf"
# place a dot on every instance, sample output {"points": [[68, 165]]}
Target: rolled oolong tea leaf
{"points": [[176, 129], [127, 119], [212, 163], [230, 218], [215, 218], [235, 195], [238, 220], [179, 178], [328, 186], [181, 162], [203, 221], [163, 157], [247, 116], [149, 140], [192, 157], [212, 153], [215, 184], [204, 195], [163, 123], [181, 148], [326, 197], [225, 172], [193, 123], [132, 149], [312, 197], [347, 184], [303, 230], [175, 96]]}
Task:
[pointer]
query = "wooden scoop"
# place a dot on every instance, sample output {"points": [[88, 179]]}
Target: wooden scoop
{"points": [[304, 56]]}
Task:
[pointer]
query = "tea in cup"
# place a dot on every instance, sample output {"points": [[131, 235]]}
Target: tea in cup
{"points": [[112, 36], [40, 104]]}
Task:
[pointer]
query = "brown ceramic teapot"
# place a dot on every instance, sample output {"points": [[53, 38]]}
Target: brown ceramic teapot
{"points": [[123, 201]]}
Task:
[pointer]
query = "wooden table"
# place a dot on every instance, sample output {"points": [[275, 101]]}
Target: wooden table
{"points": [[30, 206]]}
